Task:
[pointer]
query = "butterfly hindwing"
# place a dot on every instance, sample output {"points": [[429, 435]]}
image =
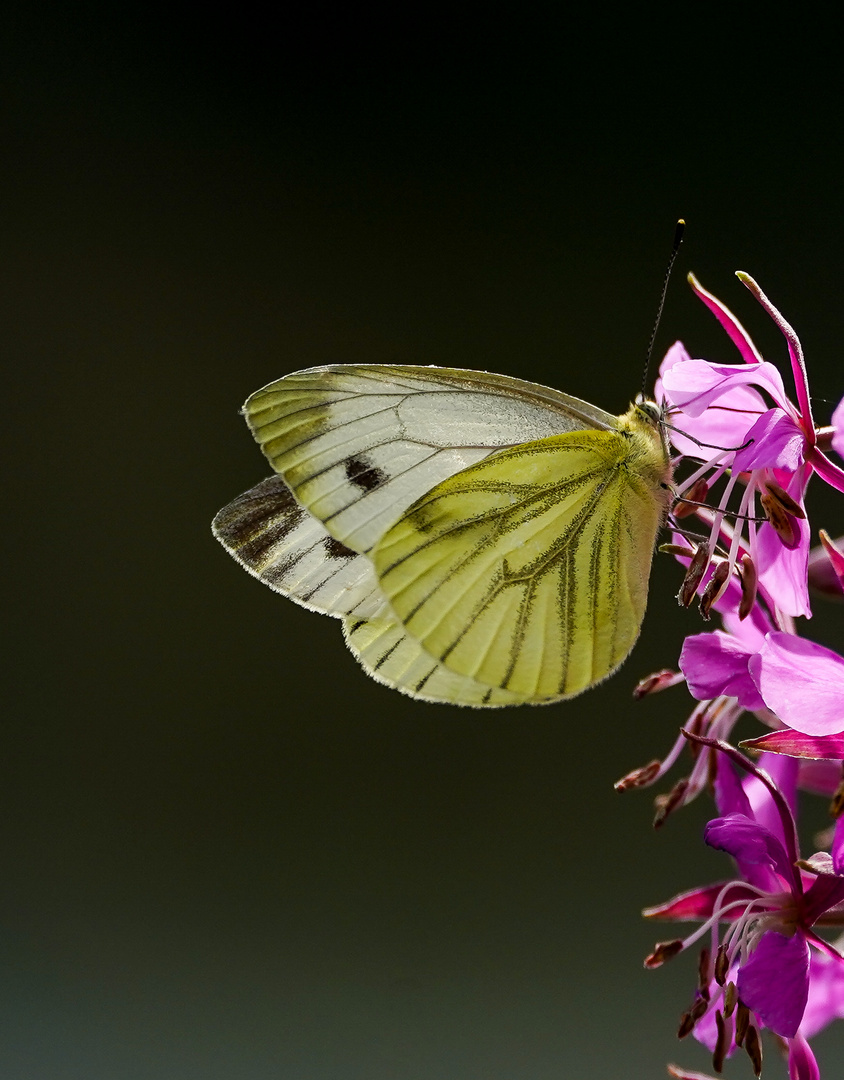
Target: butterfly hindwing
{"points": [[390, 655], [528, 572]]}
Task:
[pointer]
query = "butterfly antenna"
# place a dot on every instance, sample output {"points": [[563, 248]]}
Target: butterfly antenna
{"points": [[675, 247]]}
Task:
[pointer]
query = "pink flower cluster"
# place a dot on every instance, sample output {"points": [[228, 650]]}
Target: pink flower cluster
{"points": [[747, 454]]}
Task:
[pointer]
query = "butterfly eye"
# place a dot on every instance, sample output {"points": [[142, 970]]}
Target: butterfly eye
{"points": [[650, 409]]}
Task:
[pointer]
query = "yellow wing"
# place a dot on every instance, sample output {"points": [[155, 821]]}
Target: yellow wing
{"points": [[528, 572], [391, 656]]}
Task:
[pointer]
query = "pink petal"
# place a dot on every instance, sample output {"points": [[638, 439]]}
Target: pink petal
{"points": [[723, 426], [676, 354], [694, 905], [796, 744], [774, 982], [776, 442], [831, 555], [716, 664], [827, 470], [783, 771], [826, 994], [730, 797], [802, 1064], [694, 385], [783, 571], [750, 631], [820, 777], [738, 335], [749, 843], [803, 683]]}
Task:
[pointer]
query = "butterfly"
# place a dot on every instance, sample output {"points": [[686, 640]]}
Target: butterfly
{"points": [[485, 541]]}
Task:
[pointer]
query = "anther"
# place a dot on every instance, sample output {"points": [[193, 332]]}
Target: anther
{"points": [[691, 1017], [781, 510], [694, 575], [742, 1022], [715, 588], [749, 580], [753, 1046], [704, 973], [640, 777], [722, 965], [696, 494], [722, 1044], [666, 804], [663, 950], [659, 680]]}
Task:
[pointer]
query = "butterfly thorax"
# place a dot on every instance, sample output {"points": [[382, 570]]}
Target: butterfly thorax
{"points": [[649, 456]]}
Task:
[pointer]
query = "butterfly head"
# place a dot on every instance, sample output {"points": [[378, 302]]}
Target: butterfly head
{"points": [[648, 408]]}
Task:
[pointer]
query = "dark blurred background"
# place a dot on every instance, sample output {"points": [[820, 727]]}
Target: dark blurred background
{"points": [[226, 852]]}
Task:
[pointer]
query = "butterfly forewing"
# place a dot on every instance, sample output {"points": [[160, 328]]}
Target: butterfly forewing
{"points": [[359, 445], [528, 572]]}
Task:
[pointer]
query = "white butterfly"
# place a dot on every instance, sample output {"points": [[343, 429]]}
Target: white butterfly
{"points": [[486, 541]]}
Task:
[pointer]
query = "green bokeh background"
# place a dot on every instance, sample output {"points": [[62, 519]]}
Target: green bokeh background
{"points": [[226, 853]]}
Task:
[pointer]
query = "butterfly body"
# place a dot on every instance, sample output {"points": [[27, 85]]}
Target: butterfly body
{"points": [[486, 541]]}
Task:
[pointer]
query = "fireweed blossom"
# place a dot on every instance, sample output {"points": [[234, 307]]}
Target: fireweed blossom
{"points": [[765, 966], [749, 666], [769, 968], [755, 578], [719, 414]]}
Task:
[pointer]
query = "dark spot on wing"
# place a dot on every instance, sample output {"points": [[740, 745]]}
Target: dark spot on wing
{"points": [[364, 474], [335, 550]]}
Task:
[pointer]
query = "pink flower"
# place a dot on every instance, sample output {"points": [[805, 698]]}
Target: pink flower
{"points": [[721, 407], [717, 668], [800, 682], [771, 969]]}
